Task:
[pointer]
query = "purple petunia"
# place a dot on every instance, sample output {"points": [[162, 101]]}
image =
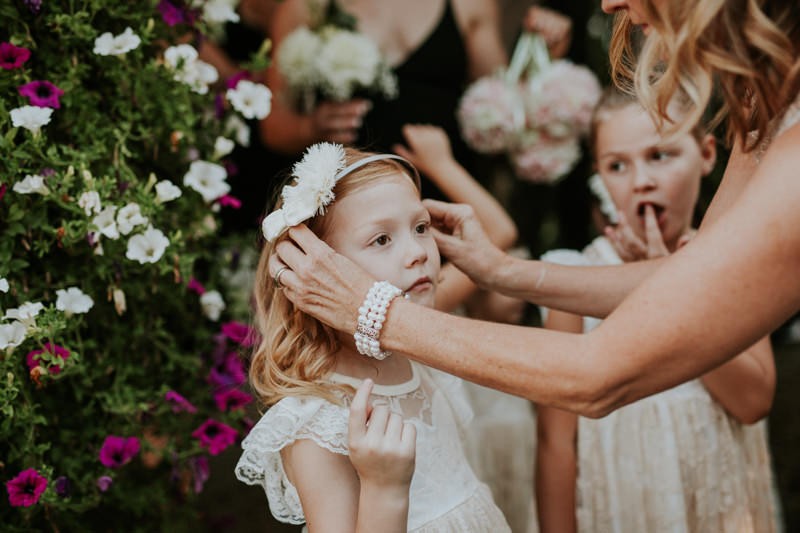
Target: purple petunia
{"points": [[118, 451], [196, 286], [238, 333], [12, 57], [33, 360], [200, 472], [228, 373], [215, 436], [231, 399], [170, 13], [104, 483], [63, 486], [3, 189], [33, 5], [179, 403], [26, 489], [41, 93]]}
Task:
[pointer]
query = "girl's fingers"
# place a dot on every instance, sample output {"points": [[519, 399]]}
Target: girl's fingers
{"points": [[655, 240], [376, 426], [409, 436], [394, 427], [359, 410]]}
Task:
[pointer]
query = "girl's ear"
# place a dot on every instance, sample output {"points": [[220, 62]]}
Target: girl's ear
{"points": [[708, 153]]}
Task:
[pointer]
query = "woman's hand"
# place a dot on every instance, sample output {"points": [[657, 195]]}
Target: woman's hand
{"points": [[339, 121], [320, 281], [382, 445], [629, 246], [461, 239], [555, 28], [428, 148]]}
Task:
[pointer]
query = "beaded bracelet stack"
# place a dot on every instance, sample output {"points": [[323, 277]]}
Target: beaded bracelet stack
{"points": [[371, 316]]}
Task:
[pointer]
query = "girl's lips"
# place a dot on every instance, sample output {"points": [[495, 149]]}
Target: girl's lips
{"points": [[422, 284]]}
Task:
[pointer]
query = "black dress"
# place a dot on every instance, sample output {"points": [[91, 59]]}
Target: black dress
{"points": [[430, 82]]}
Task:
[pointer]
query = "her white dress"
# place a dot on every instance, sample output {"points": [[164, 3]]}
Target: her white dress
{"points": [[672, 462], [445, 495]]}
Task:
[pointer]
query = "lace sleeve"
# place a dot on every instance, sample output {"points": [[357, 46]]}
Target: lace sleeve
{"points": [[289, 420]]}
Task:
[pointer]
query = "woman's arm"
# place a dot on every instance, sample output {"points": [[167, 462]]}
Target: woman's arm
{"points": [[480, 25], [556, 453], [729, 287]]}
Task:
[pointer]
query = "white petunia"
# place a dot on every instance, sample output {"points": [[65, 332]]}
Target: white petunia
{"points": [[297, 56], [220, 11], [187, 68], [12, 334], [212, 304], [73, 301], [147, 247], [90, 202], [30, 117], [223, 147], [129, 217], [347, 61], [31, 185], [25, 313], [252, 100], [3, 285], [166, 191], [239, 129], [110, 45], [208, 179], [177, 57], [105, 222]]}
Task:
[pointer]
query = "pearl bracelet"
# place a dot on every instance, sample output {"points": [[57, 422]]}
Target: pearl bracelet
{"points": [[371, 316]]}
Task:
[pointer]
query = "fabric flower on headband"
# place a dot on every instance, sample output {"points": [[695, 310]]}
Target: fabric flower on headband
{"points": [[315, 176]]}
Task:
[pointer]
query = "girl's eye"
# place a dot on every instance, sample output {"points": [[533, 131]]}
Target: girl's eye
{"points": [[422, 228], [382, 240], [616, 166], [660, 155]]}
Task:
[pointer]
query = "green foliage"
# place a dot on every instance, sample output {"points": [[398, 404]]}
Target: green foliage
{"points": [[124, 124]]}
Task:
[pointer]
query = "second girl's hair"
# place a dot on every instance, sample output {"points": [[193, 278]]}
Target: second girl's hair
{"points": [[295, 352], [747, 49]]}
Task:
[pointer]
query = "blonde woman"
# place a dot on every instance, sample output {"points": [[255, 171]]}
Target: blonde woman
{"points": [[669, 320]]}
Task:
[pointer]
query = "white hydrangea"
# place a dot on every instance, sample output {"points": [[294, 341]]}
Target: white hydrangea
{"points": [[30, 117], [240, 130], [105, 222], [73, 301], [110, 45], [90, 202], [222, 147], [220, 11], [166, 191], [147, 247], [297, 56], [212, 304], [31, 184], [252, 100], [12, 334], [129, 217], [208, 179], [187, 68], [347, 61]]}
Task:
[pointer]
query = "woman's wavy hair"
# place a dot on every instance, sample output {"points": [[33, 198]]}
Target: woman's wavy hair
{"points": [[296, 351], [748, 50]]}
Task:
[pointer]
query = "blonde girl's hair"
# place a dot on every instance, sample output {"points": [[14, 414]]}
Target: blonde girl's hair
{"points": [[296, 352], [747, 50]]}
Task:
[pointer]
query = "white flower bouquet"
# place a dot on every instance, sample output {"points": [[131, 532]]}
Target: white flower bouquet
{"points": [[332, 63], [536, 111]]}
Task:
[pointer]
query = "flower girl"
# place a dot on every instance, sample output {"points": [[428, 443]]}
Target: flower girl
{"points": [[684, 459], [319, 460]]}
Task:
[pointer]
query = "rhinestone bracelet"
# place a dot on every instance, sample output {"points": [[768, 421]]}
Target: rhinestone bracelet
{"points": [[371, 316]]}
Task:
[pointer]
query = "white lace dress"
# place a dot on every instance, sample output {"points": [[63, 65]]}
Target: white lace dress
{"points": [[673, 462], [445, 495]]}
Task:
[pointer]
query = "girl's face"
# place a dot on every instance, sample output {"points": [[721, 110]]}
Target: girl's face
{"points": [[384, 228], [636, 12], [640, 168]]}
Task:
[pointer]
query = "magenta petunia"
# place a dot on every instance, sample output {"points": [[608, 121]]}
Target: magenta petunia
{"points": [[230, 201], [3, 189], [33, 360], [12, 57], [63, 486], [215, 436], [234, 80], [170, 13], [179, 403], [239, 333], [26, 489], [104, 483], [196, 286], [200, 472], [118, 451], [231, 399], [41, 93], [228, 373]]}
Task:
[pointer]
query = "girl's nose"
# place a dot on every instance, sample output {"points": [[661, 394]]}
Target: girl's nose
{"points": [[643, 180], [417, 253], [612, 6]]}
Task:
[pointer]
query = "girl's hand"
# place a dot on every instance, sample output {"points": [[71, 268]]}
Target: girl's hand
{"points": [[339, 122], [629, 246], [461, 239], [320, 281], [428, 148], [382, 445], [555, 28]]}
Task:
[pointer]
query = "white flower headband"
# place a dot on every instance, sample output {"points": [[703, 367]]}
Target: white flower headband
{"points": [[322, 166], [607, 206]]}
